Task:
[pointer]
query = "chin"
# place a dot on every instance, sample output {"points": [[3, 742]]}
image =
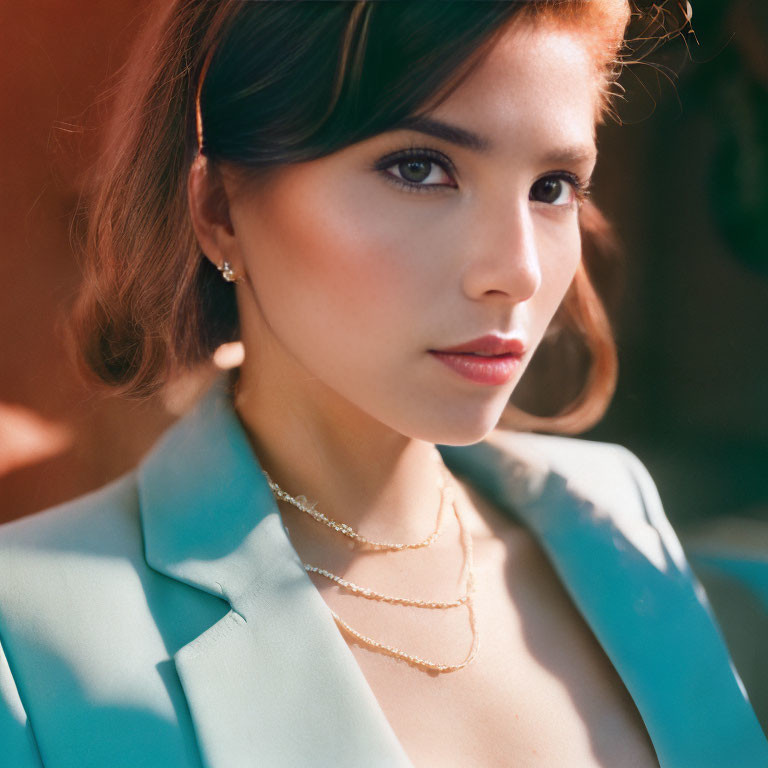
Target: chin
{"points": [[460, 429]]}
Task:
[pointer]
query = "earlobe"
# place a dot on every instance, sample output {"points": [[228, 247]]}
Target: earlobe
{"points": [[209, 213]]}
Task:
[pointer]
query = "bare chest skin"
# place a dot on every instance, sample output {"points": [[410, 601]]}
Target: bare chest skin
{"points": [[541, 691]]}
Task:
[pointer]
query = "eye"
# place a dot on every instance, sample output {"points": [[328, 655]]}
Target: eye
{"points": [[414, 167], [559, 189]]}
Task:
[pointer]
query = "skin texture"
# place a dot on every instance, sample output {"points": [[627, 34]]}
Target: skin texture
{"points": [[350, 279]]}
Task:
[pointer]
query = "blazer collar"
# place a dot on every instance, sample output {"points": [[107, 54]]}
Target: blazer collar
{"points": [[275, 679]]}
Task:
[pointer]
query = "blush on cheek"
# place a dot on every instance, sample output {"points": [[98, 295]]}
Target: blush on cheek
{"points": [[327, 251], [559, 266]]}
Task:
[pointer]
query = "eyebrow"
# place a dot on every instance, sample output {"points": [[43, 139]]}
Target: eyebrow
{"points": [[462, 137], [441, 130]]}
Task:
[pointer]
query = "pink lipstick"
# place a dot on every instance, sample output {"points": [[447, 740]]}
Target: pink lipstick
{"points": [[491, 359]]}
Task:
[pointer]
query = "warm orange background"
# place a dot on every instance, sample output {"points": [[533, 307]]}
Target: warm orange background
{"points": [[56, 439]]}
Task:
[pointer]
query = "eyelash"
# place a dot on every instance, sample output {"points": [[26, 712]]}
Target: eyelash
{"points": [[580, 187], [415, 153]]}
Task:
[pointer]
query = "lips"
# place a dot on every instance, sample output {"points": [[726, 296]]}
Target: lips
{"points": [[487, 360], [488, 346]]}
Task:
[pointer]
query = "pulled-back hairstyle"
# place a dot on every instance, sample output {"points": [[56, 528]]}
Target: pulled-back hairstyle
{"points": [[284, 82]]}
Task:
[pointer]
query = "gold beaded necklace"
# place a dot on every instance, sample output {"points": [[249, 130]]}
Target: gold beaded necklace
{"points": [[446, 493]]}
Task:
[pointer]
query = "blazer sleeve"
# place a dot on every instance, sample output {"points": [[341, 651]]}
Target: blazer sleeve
{"points": [[18, 746]]}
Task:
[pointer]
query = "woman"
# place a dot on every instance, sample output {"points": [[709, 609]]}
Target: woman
{"points": [[382, 201]]}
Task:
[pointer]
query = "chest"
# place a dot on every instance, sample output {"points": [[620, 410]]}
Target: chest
{"points": [[540, 692]]}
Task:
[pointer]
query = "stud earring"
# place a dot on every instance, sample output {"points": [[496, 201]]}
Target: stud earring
{"points": [[227, 272]]}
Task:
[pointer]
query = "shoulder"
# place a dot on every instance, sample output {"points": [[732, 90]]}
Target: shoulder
{"points": [[571, 457], [51, 568], [527, 467], [600, 471], [603, 483], [56, 562], [100, 525], [87, 633]]}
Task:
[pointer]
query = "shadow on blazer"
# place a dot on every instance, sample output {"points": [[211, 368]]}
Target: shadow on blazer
{"points": [[166, 620]]}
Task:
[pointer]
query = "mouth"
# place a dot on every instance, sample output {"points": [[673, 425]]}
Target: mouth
{"points": [[489, 346], [491, 360], [481, 355], [488, 370]]}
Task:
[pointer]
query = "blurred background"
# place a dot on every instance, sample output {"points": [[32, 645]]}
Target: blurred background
{"points": [[685, 180]]}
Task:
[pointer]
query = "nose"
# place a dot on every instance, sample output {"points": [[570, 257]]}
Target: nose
{"points": [[505, 259]]}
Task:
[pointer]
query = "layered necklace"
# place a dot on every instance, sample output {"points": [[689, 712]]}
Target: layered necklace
{"points": [[467, 598]]}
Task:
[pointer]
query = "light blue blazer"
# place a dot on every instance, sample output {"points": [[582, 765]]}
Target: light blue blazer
{"points": [[166, 620]]}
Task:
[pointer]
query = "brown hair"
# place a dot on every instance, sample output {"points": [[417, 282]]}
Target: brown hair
{"points": [[287, 82]]}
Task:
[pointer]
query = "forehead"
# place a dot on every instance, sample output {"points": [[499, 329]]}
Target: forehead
{"points": [[538, 85]]}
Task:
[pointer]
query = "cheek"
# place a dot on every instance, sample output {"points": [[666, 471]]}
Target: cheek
{"points": [[329, 271], [561, 255]]}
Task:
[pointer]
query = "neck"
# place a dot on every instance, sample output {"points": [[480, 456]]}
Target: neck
{"points": [[314, 443]]}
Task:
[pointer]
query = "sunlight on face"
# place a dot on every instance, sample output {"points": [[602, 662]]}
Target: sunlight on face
{"points": [[363, 261]]}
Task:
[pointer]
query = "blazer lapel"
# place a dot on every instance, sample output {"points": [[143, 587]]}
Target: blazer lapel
{"points": [[273, 683], [625, 571]]}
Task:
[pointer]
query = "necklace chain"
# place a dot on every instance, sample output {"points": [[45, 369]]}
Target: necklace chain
{"points": [[302, 503], [417, 660], [446, 493], [371, 595]]}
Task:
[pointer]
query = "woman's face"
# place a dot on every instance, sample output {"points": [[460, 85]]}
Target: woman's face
{"points": [[362, 263]]}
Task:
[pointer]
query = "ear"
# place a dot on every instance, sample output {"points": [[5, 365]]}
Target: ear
{"points": [[208, 197]]}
